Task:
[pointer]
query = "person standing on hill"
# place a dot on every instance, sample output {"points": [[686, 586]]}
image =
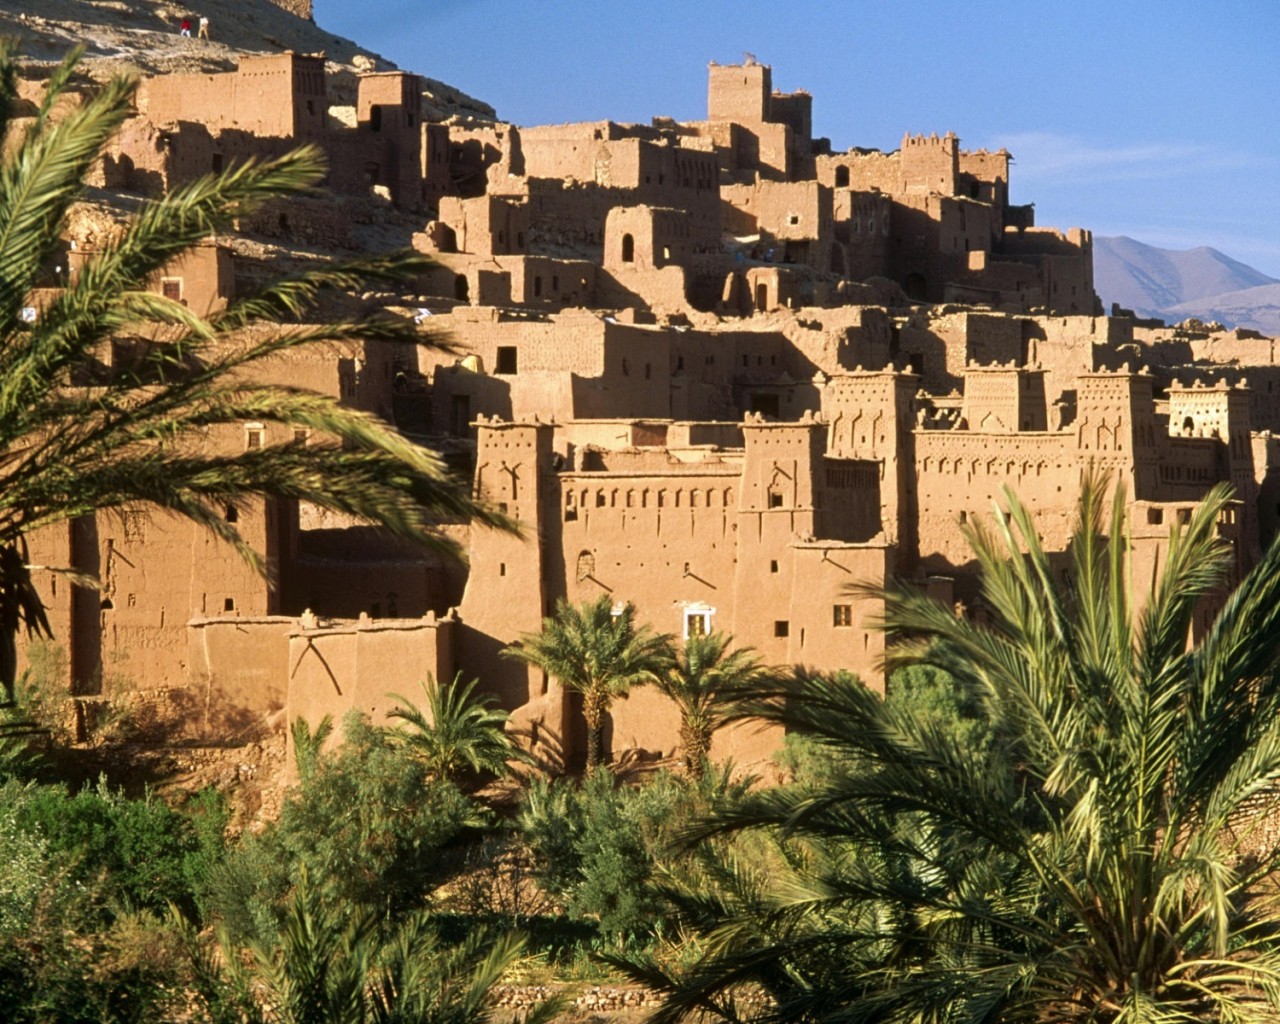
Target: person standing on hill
{"points": [[185, 30], [204, 28]]}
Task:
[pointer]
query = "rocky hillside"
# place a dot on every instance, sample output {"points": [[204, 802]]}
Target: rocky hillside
{"points": [[1172, 284], [143, 35]]}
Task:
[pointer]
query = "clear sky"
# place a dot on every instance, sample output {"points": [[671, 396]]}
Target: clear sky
{"points": [[1156, 120]]}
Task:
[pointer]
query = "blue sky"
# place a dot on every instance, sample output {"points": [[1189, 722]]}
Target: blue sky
{"points": [[1157, 121]]}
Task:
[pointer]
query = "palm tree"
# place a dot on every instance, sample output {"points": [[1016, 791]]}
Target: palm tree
{"points": [[598, 651], [455, 728], [331, 966], [137, 434], [702, 671], [1106, 858]]}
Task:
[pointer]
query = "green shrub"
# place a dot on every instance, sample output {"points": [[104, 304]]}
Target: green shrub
{"points": [[599, 846], [140, 849], [366, 828]]}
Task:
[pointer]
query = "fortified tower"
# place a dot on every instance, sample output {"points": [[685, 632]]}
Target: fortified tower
{"points": [[1221, 412], [505, 593], [871, 417], [930, 165], [1116, 429]]}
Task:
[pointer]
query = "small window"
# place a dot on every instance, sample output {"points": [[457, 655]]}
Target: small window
{"points": [[537, 286], [842, 615], [793, 219], [775, 499], [773, 565], [253, 437], [628, 249], [507, 361], [502, 568], [300, 435], [171, 288], [781, 628], [1155, 516], [233, 514], [697, 622], [229, 604], [1184, 516]]}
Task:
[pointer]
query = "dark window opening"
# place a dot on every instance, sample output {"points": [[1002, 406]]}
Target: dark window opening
{"points": [[537, 286], [842, 177], [461, 288], [375, 118], [507, 359], [775, 499], [233, 514], [229, 604], [1155, 516], [765, 405], [628, 249], [773, 565], [842, 615], [782, 628]]}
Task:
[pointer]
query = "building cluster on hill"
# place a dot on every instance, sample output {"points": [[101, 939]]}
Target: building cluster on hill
{"points": [[715, 368]]}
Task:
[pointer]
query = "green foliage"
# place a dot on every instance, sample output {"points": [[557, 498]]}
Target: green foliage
{"points": [[68, 950], [21, 873], [1075, 838], [339, 966], [455, 729], [599, 846], [365, 828], [933, 696], [139, 853], [307, 744], [701, 672], [596, 652]]}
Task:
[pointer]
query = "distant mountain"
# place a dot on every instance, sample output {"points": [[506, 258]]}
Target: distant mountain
{"points": [[1173, 284]]}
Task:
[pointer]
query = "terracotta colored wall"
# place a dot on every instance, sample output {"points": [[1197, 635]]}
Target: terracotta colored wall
{"points": [[336, 669]]}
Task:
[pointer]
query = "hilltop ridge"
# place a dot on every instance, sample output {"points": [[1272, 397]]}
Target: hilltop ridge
{"points": [[142, 35]]}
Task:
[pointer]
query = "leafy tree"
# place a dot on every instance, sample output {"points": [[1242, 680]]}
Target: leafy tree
{"points": [[704, 669], [455, 728], [597, 652], [1102, 859], [363, 827], [599, 846], [136, 432]]}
